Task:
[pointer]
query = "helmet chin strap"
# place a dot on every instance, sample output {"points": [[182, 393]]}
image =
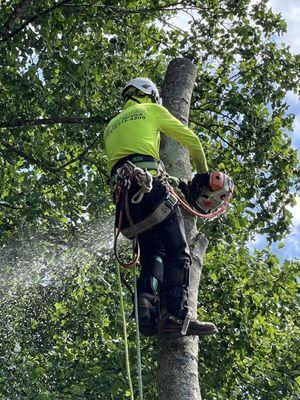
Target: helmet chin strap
{"points": [[130, 97], [136, 99]]}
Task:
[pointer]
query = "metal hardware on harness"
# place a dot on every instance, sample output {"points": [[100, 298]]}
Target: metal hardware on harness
{"points": [[148, 165], [175, 319], [124, 177], [171, 201], [129, 173]]}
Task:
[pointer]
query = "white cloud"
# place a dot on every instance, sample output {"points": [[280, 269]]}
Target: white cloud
{"points": [[294, 107], [296, 125], [295, 135], [290, 11], [181, 20], [293, 98], [296, 212], [291, 249], [257, 242]]}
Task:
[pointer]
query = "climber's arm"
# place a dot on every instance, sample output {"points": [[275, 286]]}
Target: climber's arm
{"points": [[175, 129]]}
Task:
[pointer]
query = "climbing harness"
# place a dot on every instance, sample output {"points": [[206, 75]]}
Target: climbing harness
{"points": [[215, 198], [124, 177]]}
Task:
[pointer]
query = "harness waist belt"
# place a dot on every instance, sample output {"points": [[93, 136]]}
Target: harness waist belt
{"points": [[134, 158], [159, 214], [149, 165]]}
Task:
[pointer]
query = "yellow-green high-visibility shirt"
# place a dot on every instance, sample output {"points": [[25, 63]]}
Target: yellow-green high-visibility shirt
{"points": [[136, 130]]}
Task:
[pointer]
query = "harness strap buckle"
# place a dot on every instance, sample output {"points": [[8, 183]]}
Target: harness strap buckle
{"points": [[171, 201]]}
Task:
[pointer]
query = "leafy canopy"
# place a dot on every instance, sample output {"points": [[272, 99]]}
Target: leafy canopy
{"points": [[64, 63], [62, 66]]}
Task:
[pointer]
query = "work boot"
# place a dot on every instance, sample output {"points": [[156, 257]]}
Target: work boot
{"points": [[189, 327], [148, 311]]}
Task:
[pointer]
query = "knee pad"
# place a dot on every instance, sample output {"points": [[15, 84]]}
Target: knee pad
{"points": [[148, 312], [176, 273], [175, 288]]}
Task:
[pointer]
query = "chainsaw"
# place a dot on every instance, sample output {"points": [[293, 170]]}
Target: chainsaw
{"points": [[211, 197]]}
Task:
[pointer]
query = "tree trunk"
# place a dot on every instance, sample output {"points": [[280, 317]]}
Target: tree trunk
{"points": [[177, 377]]}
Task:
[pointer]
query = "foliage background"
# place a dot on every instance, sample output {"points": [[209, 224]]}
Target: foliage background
{"points": [[62, 66]]}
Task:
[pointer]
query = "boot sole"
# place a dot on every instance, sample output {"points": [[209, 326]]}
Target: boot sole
{"points": [[192, 332]]}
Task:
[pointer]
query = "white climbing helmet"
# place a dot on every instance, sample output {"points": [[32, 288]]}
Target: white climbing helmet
{"points": [[144, 85]]}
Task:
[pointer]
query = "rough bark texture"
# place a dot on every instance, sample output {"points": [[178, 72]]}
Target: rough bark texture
{"points": [[177, 377]]}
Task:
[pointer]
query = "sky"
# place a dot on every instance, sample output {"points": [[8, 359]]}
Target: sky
{"points": [[290, 11]]}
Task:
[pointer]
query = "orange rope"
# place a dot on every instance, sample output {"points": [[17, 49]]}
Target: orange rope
{"points": [[189, 209], [117, 232]]}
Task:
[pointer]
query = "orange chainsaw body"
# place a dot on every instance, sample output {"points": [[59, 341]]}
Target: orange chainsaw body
{"points": [[219, 191]]}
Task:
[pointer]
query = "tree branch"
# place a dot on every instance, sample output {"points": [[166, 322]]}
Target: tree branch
{"points": [[53, 121], [81, 156], [17, 13], [4, 204], [6, 37], [146, 34], [216, 134], [132, 10], [44, 165], [28, 157], [7, 33]]}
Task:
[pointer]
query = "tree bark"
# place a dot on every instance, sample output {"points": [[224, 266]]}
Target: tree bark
{"points": [[177, 375]]}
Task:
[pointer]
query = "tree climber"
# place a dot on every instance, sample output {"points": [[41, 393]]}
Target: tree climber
{"points": [[132, 138]]}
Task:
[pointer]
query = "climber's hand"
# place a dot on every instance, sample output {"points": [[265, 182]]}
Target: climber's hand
{"points": [[198, 182]]}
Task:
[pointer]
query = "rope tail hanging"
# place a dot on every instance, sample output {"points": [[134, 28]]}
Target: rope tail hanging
{"points": [[138, 346], [130, 264], [124, 332], [117, 232]]}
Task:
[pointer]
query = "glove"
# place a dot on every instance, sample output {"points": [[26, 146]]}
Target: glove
{"points": [[199, 181], [185, 188], [192, 189]]}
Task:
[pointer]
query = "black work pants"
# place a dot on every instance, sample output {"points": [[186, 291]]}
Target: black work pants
{"points": [[164, 251]]}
